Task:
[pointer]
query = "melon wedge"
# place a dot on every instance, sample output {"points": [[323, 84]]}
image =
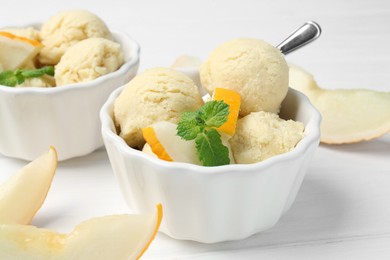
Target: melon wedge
{"points": [[16, 50], [119, 237], [233, 99], [167, 145], [163, 142], [23, 194], [348, 115]]}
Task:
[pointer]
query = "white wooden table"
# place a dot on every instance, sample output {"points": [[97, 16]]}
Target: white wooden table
{"points": [[343, 208]]}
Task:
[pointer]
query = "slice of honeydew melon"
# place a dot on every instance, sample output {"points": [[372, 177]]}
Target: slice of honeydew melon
{"points": [[348, 115], [16, 51], [119, 237], [163, 142], [23, 194]]}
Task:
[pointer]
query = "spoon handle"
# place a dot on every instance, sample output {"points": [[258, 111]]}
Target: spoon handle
{"points": [[305, 34]]}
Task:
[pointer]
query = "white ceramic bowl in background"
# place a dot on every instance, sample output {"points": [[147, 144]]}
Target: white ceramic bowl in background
{"points": [[214, 204], [67, 117]]}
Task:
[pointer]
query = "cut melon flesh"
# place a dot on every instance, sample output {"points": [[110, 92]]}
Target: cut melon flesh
{"points": [[170, 145], [233, 99], [154, 142], [15, 50], [119, 237], [178, 149], [23, 194], [348, 115]]}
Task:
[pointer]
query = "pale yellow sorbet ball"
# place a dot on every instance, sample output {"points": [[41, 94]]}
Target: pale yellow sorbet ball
{"points": [[67, 28], [251, 67], [42, 82], [158, 94], [88, 60], [261, 135]]}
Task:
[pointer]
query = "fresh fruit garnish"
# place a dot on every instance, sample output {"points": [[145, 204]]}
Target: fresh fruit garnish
{"points": [[165, 144], [201, 126], [11, 78], [118, 237], [348, 115], [23, 194], [16, 50], [149, 228], [233, 99], [155, 144]]}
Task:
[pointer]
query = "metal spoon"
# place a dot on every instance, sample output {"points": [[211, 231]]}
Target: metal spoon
{"points": [[305, 34]]}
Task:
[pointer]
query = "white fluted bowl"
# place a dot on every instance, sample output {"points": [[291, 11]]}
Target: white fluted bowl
{"points": [[67, 117], [214, 204]]}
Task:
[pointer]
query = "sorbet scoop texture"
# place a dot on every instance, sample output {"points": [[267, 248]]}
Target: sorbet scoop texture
{"points": [[158, 94], [67, 28], [261, 135], [88, 60], [42, 82], [251, 67]]}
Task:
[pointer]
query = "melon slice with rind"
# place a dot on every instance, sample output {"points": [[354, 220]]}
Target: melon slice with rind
{"points": [[16, 50], [119, 237], [348, 115]]}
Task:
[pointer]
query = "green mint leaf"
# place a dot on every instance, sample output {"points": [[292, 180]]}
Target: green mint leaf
{"points": [[7, 78], [200, 125], [214, 113], [36, 73], [6, 74], [19, 77], [189, 127], [48, 70], [11, 78], [211, 151]]}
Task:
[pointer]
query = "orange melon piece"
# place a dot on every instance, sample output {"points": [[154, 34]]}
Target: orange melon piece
{"points": [[155, 144], [16, 51], [233, 99], [162, 139], [168, 144]]}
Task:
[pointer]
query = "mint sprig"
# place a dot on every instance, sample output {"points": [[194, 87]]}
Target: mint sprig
{"points": [[11, 78], [190, 125], [211, 151], [214, 113], [200, 125]]}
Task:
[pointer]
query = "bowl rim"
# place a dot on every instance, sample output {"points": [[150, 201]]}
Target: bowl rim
{"points": [[310, 138], [134, 57]]}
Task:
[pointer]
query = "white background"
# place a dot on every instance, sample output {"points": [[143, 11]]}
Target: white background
{"points": [[343, 208]]}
